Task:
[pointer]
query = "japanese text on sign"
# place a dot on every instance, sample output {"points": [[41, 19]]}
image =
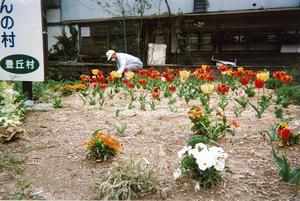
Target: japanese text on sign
{"points": [[7, 24]]}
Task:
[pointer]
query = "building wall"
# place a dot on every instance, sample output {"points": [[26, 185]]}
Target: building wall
{"points": [[223, 5], [89, 9]]}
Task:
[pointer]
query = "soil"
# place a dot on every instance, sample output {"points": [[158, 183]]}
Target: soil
{"points": [[55, 164]]}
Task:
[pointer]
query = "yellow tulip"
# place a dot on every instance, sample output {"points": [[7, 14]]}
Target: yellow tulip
{"points": [[240, 69], [184, 75], [283, 124], [95, 71], [115, 74], [263, 76], [229, 72], [207, 88], [129, 75]]}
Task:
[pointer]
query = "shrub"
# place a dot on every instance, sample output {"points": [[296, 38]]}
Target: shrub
{"points": [[203, 163], [130, 180], [273, 83], [101, 146]]}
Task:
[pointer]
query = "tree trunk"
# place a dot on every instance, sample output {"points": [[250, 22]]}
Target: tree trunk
{"points": [[125, 34]]}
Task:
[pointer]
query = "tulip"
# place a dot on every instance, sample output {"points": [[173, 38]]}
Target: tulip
{"points": [[244, 80], [263, 76], [222, 89], [102, 86], [259, 83], [129, 75], [172, 88], [115, 74], [207, 88], [95, 71], [142, 82], [184, 75]]}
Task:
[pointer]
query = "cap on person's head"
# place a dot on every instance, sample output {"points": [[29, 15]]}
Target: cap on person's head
{"points": [[109, 53]]}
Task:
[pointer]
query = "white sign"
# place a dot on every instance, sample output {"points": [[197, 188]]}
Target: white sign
{"points": [[85, 31], [157, 54], [21, 40]]}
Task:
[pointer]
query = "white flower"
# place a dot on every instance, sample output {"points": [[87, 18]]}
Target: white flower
{"points": [[219, 154], [177, 174], [183, 151], [205, 160], [163, 79], [201, 146], [11, 92], [197, 187], [220, 165]]}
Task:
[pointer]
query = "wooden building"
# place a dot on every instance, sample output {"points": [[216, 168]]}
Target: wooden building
{"points": [[267, 36]]}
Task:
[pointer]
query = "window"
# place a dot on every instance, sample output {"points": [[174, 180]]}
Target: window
{"points": [[193, 42], [200, 5], [53, 4], [206, 43], [234, 41]]}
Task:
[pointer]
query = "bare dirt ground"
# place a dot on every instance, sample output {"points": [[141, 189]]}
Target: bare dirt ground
{"points": [[55, 164]]}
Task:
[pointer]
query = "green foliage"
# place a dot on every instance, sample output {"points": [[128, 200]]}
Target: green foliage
{"points": [[66, 46], [263, 104], [101, 146], [243, 101], [250, 91], [121, 128], [288, 94], [6, 162], [57, 102], [273, 83], [288, 174], [101, 151], [128, 181], [200, 139], [278, 113]]}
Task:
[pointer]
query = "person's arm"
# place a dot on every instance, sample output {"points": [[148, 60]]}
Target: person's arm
{"points": [[122, 65]]}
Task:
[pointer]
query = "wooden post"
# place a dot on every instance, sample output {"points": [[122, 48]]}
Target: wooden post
{"points": [[27, 88]]}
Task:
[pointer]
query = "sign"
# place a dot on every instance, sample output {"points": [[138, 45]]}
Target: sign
{"points": [[85, 31], [21, 40]]}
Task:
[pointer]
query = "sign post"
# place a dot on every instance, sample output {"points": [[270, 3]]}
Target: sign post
{"points": [[21, 42]]}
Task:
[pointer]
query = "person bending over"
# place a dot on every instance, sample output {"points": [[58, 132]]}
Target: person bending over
{"points": [[124, 61]]}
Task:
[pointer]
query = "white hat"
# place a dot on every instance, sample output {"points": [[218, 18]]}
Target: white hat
{"points": [[109, 53]]}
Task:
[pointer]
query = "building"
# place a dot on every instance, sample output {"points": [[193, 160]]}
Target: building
{"points": [[256, 33]]}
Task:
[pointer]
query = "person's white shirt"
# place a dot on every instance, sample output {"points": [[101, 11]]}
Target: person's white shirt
{"points": [[126, 60]]}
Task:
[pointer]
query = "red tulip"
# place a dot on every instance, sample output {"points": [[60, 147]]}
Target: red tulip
{"points": [[286, 79], [240, 73], [250, 74], [142, 82], [222, 68], [101, 78], [284, 133], [94, 79], [211, 78], [259, 83], [130, 85], [125, 81], [172, 88], [102, 86], [244, 80], [155, 94], [278, 74], [222, 89]]}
